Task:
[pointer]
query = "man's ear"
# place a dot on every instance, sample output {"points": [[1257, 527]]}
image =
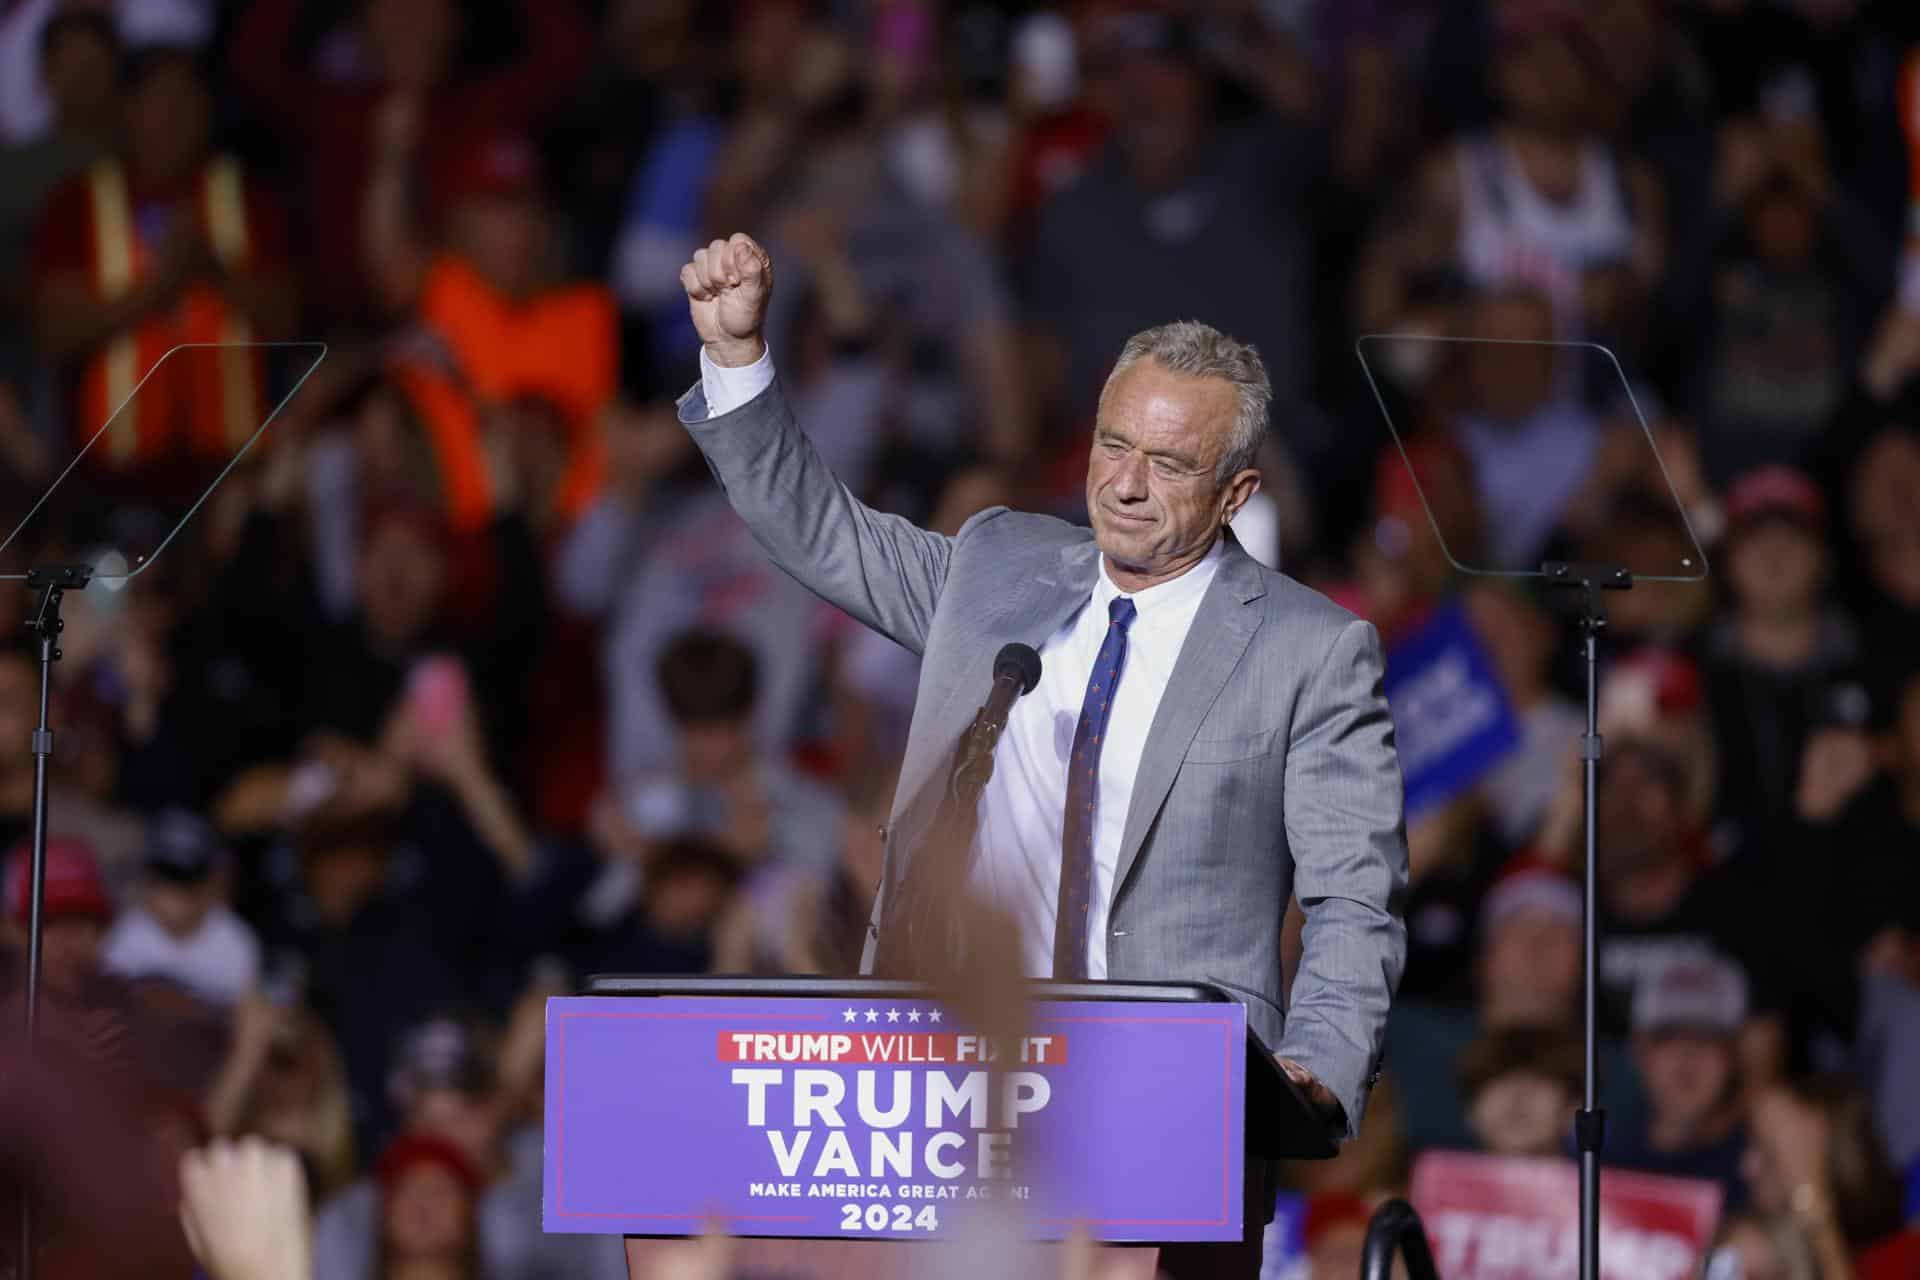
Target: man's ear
{"points": [[1241, 486]]}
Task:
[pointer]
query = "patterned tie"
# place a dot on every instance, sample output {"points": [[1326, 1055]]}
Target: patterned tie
{"points": [[1075, 909]]}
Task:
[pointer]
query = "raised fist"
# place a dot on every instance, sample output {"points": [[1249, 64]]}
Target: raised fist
{"points": [[728, 284]]}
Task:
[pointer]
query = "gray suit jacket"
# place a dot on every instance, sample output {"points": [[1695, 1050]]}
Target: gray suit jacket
{"points": [[1269, 770]]}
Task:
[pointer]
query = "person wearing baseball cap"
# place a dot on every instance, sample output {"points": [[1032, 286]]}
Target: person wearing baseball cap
{"points": [[181, 928], [75, 912], [1782, 666], [1687, 1020]]}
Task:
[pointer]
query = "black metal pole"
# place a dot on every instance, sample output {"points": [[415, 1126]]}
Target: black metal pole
{"points": [[46, 626], [1590, 1123]]}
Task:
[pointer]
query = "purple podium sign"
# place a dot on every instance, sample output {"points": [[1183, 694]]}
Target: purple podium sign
{"points": [[863, 1118]]}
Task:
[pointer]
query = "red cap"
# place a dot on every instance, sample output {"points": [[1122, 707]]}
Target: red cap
{"points": [[504, 164], [412, 1150], [1529, 882], [1776, 491], [73, 884], [1667, 680]]}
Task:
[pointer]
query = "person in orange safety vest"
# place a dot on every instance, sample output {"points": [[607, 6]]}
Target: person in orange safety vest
{"points": [[492, 326], [167, 243]]}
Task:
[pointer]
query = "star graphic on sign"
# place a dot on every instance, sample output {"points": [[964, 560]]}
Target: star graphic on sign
{"points": [[933, 1015], [893, 1015], [849, 1015], [872, 1016], [913, 1015]]}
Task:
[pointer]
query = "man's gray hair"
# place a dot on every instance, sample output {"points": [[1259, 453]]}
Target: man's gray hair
{"points": [[1202, 351]]}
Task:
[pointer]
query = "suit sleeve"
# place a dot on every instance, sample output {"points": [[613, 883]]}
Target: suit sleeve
{"points": [[881, 569], [1344, 825]]}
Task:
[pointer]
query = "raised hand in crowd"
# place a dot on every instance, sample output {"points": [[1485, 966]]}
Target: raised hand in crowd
{"points": [[1835, 766], [244, 1208]]}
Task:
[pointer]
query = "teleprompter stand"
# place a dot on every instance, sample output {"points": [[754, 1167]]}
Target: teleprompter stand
{"points": [[1590, 1122]]}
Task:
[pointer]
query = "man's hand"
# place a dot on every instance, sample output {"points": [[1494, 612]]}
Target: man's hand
{"points": [[728, 284], [244, 1208], [1318, 1094]]}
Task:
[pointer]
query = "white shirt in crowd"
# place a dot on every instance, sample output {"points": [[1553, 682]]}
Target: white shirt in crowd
{"points": [[1022, 813], [219, 961]]}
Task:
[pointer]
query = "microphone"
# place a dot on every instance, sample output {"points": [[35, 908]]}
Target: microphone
{"points": [[1016, 670]]}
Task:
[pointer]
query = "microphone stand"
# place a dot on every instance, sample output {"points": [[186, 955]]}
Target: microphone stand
{"points": [[1590, 1122], [46, 626]]}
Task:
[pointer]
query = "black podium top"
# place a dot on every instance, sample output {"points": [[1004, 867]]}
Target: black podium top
{"points": [[1281, 1121]]}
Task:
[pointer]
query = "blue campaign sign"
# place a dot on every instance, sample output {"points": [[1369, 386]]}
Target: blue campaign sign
{"points": [[1451, 716]]}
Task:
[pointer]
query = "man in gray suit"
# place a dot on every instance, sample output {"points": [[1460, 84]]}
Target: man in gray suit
{"points": [[1208, 738]]}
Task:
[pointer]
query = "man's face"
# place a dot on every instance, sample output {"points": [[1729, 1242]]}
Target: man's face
{"points": [[1529, 967], [400, 579], [1640, 813], [180, 909], [1522, 1114], [1776, 569], [715, 750], [1152, 495], [411, 40], [79, 71], [428, 1213], [1688, 1073], [462, 1118], [168, 119], [1513, 377]]}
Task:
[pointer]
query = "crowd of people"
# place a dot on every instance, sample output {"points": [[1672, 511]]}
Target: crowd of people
{"points": [[467, 683]]}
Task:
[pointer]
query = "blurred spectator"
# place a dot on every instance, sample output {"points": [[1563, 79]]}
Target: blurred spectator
{"points": [[447, 1083], [1755, 1247], [1686, 1029], [1783, 661], [1531, 441], [1522, 1085], [75, 913], [406, 48], [1888, 1049], [1814, 1156], [282, 1080], [1334, 1233], [1527, 976], [1794, 286], [709, 168], [182, 928], [754, 806], [170, 243], [662, 551], [428, 1193], [1174, 194], [1520, 640], [1886, 533], [1541, 200], [31, 100], [506, 357], [77, 58]]}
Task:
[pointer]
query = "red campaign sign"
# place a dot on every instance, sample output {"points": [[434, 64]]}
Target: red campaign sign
{"points": [[1503, 1218]]}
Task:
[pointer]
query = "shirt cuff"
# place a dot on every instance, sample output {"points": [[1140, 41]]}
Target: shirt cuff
{"points": [[726, 389]]}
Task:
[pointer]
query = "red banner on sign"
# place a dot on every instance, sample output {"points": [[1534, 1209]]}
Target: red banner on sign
{"points": [[1500, 1218]]}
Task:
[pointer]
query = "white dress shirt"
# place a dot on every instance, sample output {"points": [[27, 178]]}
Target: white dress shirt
{"points": [[1017, 852], [1023, 810]]}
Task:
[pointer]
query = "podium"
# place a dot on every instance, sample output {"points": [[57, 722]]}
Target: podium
{"points": [[812, 1113]]}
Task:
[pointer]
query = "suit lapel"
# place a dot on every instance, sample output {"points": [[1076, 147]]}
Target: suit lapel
{"points": [[1219, 635]]}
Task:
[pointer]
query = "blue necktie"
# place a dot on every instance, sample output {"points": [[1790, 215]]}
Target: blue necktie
{"points": [[1075, 909]]}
